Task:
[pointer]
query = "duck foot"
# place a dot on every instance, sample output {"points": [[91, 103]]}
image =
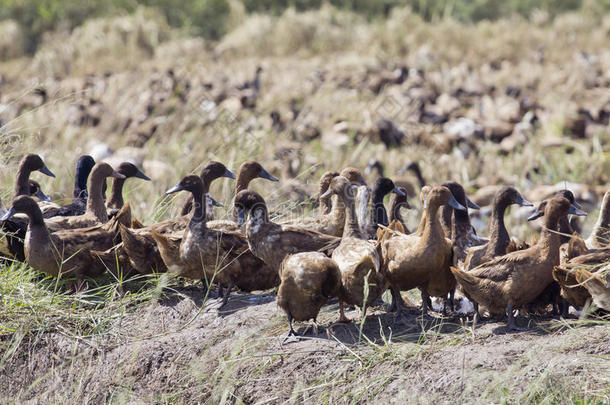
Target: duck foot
{"points": [[512, 325], [342, 317]]}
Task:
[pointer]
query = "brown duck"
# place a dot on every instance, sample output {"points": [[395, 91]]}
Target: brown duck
{"points": [[210, 255], [96, 212], [66, 252], [423, 261], [128, 170], [308, 280], [272, 242], [140, 246], [498, 235], [517, 278], [357, 258]]}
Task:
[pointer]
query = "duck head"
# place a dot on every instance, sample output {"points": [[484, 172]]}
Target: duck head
{"points": [[324, 184], [36, 191], [354, 176], [401, 198], [191, 183], [569, 195], [374, 164], [555, 208], [508, 196], [103, 170], [33, 162], [384, 186], [23, 204], [247, 201], [128, 170], [460, 195], [252, 170], [441, 195], [216, 170], [84, 165], [342, 187]]}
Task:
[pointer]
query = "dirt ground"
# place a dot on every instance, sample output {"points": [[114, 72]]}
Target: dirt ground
{"points": [[178, 350]]}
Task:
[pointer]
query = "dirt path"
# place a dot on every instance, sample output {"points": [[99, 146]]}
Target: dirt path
{"points": [[176, 352]]}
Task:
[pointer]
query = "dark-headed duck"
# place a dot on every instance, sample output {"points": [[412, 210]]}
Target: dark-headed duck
{"points": [[128, 170]]}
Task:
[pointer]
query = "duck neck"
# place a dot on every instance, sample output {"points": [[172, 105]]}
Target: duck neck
{"points": [[565, 229], [550, 240], [379, 215], [338, 212], [601, 230], [22, 186], [95, 201], [242, 182], [36, 225], [80, 185], [461, 223], [198, 217], [498, 235], [116, 194], [395, 214], [351, 229], [258, 217], [445, 220], [432, 227], [326, 203]]}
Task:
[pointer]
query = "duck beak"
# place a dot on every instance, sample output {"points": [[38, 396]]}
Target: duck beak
{"points": [[45, 170], [399, 192], [453, 203], [266, 175], [8, 214], [117, 175], [42, 196], [577, 205], [214, 202], [142, 176], [229, 174], [368, 170], [535, 215], [575, 211], [174, 189], [471, 204], [523, 202], [327, 193], [241, 216]]}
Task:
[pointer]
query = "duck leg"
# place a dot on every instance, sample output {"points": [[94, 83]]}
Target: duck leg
{"points": [[398, 304], [342, 317], [511, 319], [291, 331], [220, 291], [204, 288], [565, 308], [225, 297], [426, 302]]}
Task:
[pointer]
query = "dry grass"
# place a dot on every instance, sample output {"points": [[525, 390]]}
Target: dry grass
{"points": [[158, 340]]}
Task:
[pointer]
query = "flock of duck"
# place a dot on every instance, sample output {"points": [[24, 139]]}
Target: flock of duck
{"points": [[354, 249]]}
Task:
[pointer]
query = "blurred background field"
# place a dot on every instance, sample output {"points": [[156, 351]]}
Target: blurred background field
{"points": [[483, 92]]}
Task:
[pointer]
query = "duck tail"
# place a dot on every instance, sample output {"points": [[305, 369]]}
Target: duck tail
{"points": [[136, 224], [113, 260], [564, 276], [597, 287], [576, 246], [465, 279]]}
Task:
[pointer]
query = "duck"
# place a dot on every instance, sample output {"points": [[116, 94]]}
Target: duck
{"points": [[376, 168], [84, 165], [422, 261], [272, 242], [600, 235], [115, 202], [205, 173], [140, 246], [96, 212], [517, 278], [29, 163], [308, 281], [210, 255], [572, 290], [65, 252], [462, 232], [397, 202], [448, 214], [357, 258], [378, 214], [247, 172], [598, 286], [333, 222], [499, 239]]}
